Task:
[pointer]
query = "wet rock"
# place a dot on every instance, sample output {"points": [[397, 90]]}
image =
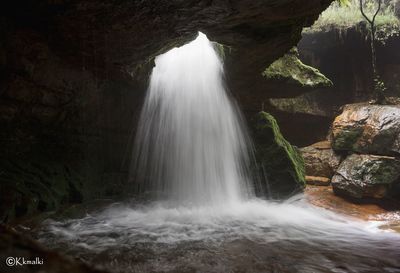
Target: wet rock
{"points": [[370, 129], [280, 164], [298, 105], [320, 159], [16, 245], [385, 210], [318, 180], [366, 176]]}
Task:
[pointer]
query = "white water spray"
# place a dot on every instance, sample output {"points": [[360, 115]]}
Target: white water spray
{"points": [[190, 146]]}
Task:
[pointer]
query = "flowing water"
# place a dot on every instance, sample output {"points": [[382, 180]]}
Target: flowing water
{"points": [[192, 153], [190, 145]]}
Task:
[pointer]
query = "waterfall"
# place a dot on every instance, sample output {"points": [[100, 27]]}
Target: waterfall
{"points": [[191, 152], [191, 147]]}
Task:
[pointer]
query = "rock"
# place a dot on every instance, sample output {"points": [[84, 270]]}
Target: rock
{"points": [[28, 188], [280, 163], [310, 103], [369, 129], [14, 244], [366, 176], [320, 159], [324, 197], [317, 180], [7, 112], [290, 70], [45, 114]]}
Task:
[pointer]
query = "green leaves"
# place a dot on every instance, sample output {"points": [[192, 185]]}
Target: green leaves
{"points": [[344, 3]]}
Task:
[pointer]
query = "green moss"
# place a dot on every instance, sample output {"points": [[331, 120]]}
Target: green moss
{"points": [[222, 50], [346, 139], [384, 172], [290, 69], [282, 162]]}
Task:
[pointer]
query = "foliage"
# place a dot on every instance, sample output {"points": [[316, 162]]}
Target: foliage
{"points": [[345, 14], [222, 50], [344, 3]]}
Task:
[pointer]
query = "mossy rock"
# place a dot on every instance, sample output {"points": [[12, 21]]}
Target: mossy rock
{"points": [[346, 139], [290, 69], [367, 129], [280, 170], [367, 176]]}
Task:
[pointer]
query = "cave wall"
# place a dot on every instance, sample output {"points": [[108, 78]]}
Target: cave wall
{"points": [[74, 75], [344, 56]]}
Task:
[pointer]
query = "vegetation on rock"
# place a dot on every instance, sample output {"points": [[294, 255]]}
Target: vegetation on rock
{"points": [[346, 14], [363, 176], [367, 128], [281, 163], [291, 70]]}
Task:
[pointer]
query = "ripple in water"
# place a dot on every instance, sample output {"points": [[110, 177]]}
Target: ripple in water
{"points": [[251, 236]]}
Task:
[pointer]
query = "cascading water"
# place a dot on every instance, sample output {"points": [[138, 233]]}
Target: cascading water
{"points": [[191, 148], [190, 145]]}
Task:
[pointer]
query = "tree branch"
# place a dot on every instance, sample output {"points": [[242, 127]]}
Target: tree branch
{"points": [[363, 13], [377, 11]]}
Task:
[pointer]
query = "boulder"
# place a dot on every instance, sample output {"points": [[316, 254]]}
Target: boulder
{"points": [[279, 163], [291, 70], [320, 159], [369, 129], [366, 176]]}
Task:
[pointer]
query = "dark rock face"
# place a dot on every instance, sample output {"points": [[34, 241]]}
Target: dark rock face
{"points": [[344, 56], [373, 129], [280, 164], [320, 159], [366, 176], [28, 187]]}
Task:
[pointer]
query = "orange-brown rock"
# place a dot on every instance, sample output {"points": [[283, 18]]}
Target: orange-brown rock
{"points": [[318, 180], [370, 129], [320, 159], [388, 211]]}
